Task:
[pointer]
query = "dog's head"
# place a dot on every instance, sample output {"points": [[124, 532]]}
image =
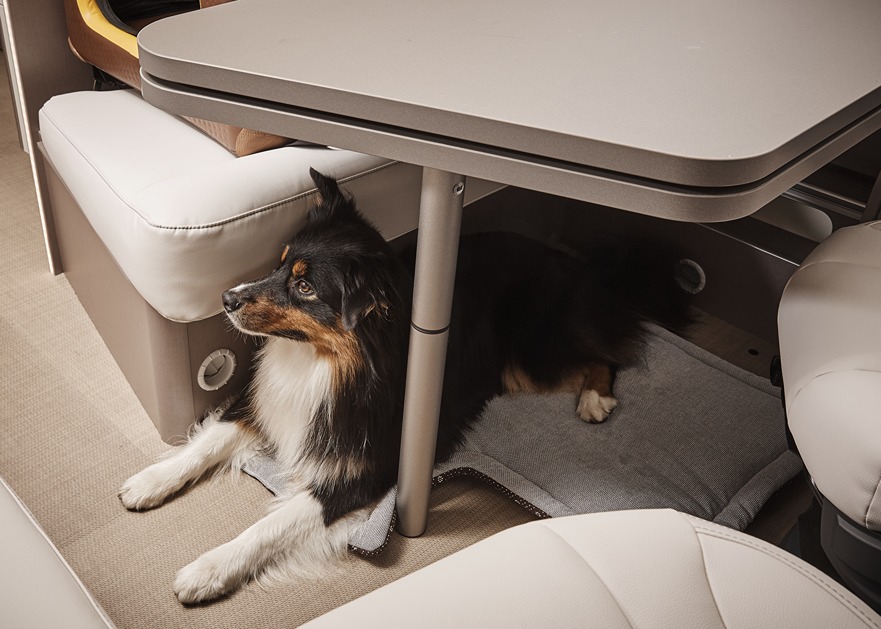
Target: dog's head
{"points": [[335, 273]]}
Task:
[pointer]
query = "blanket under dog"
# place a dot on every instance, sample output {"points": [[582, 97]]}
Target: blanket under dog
{"points": [[691, 432]]}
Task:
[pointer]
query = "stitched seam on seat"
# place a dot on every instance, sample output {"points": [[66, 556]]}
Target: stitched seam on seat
{"points": [[871, 502], [707, 577], [589, 567], [829, 586], [792, 400], [266, 208], [248, 214]]}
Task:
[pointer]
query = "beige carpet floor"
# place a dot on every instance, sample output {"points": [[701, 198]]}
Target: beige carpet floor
{"points": [[73, 431]]}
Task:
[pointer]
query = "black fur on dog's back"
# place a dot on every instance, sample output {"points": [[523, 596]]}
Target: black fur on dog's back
{"points": [[520, 302]]}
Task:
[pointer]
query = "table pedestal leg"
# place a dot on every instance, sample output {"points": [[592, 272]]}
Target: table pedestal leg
{"points": [[437, 245]]}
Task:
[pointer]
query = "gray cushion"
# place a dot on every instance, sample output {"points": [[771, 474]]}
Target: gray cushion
{"points": [[691, 432]]}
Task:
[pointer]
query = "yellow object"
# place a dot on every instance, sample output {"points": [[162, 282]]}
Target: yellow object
{"points": [[95, 20]]}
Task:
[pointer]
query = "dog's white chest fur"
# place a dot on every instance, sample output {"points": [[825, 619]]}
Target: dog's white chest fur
{"points": [[291, 383]]}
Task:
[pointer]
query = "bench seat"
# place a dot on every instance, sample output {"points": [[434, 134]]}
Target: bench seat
{"points": [[154, 220]]}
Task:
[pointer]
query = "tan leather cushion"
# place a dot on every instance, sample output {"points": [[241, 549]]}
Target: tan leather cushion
{"points": [[98, 42], [624, 569]]}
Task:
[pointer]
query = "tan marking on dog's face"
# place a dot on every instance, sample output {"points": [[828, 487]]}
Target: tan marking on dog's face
{"points": [[299, 269], [284, 254], [297, 281], [332, 343], [265, 317]]}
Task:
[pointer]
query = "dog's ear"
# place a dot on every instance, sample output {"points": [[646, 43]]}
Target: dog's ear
{"points": [[332, 201], [327, 186], [355, 306], [360, 297]]}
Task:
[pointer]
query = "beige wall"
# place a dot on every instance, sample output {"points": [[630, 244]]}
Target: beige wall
{"points": [[42, 65]]}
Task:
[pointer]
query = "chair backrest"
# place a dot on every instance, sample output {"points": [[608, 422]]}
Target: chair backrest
{"points": [[830, 352]]}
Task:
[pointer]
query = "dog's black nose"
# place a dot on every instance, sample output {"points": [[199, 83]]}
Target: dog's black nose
{"points": [[231, 301]]}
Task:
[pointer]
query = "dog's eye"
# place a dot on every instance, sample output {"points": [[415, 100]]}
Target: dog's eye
{"points": [[303, 287]]}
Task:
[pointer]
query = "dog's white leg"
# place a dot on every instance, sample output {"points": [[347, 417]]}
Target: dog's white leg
{"points": [[292, 539], [215, 443], [596, 402], [595, 408]]}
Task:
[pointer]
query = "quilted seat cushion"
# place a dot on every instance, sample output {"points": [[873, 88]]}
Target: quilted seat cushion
{"points": [[183, 218], [644, 568]]}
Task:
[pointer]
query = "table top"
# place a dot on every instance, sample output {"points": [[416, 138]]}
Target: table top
{"points": [[688, 95]]}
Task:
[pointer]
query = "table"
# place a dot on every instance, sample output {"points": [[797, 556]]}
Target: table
{"points": [[692, 110]]}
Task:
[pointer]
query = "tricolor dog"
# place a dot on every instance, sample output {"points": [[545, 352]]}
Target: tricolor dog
{"points": [[327, 389]]}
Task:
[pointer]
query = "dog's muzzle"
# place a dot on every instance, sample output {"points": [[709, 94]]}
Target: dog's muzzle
{"points": [[232, 301]]}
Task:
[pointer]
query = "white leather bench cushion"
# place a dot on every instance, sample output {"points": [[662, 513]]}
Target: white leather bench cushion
{"points": [[831, 357], [37, 587], [624, 569], [183, 218]]}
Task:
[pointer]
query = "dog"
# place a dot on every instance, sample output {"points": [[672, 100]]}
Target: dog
{"points": [[326, 394]]}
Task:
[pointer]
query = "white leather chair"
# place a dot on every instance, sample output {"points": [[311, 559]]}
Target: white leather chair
{"points": [[628, 569], [830, 350], [37, 587]]}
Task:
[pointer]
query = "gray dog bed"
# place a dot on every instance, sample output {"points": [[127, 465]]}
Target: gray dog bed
{"points": [[691, 432]]}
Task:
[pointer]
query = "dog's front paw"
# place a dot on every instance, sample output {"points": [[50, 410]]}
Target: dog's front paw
{"points": [[212, 575], [595, 408], [148, 488]]}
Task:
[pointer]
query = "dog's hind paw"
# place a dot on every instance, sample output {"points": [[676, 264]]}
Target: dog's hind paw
{"points": [[595, 408], [209, 577]]}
